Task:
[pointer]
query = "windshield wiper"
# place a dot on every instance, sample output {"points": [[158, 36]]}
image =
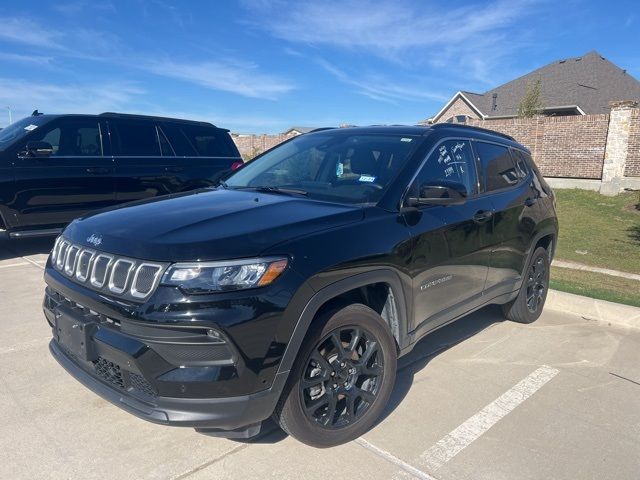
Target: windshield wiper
{"points": [[282, 190]]}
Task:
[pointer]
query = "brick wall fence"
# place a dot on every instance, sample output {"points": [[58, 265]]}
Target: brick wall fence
{"points": [[602, 148], [571, 146], [252, 145]]}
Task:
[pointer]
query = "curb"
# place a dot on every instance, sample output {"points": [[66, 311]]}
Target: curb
{"points": [[594, 309]]}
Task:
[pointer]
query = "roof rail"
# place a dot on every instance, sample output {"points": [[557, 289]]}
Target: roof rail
{"points": [[473, 128], [320, 129], [133, 115]]}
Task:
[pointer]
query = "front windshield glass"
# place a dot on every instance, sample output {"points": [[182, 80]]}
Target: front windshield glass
{"points": [[333, 166], [19, 129]]}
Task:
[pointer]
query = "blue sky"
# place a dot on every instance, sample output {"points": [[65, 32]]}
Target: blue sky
{"points": [[263, 66]]}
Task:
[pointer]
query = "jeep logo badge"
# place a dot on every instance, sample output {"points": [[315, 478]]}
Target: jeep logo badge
{"points": [[95, 240]]}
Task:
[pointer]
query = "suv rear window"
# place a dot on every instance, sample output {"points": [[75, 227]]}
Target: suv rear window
{"points": [[497, 165], [199, 140]]}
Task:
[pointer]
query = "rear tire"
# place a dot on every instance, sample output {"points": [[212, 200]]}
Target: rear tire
{"points": [[528, 305], [342, 379]]}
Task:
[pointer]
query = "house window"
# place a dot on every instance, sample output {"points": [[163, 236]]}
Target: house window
{"points": [[458, 119]]}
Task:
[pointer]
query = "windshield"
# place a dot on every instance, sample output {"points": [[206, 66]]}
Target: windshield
{"points": [[330, 166], [19, 129]]}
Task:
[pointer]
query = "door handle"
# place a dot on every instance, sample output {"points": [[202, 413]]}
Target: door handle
{"points": [[531, 201], [97, 170], [482, 216], [173, 169]]}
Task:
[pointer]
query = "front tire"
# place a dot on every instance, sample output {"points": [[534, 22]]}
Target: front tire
{"points": [[528, 305], [342, 379]]}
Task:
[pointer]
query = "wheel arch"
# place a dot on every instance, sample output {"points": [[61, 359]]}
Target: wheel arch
{"points": [[394, 310]]}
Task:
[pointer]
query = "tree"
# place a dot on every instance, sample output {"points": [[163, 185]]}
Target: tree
{"points": [[531, 104]]}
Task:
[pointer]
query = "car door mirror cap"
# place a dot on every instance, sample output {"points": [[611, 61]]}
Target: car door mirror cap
{"points": [[36, 150]]}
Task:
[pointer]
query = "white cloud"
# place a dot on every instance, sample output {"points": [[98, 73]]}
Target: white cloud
{"points": [[28, 32], [383, 27], [234, 77], [378, 87], [24, 97], [468, 41]]}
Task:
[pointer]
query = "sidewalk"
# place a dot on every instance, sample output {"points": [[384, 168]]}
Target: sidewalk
{"points": [[589, 268]]}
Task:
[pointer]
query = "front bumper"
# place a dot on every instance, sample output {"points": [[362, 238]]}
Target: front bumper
{"points": [[167, 373], [230, 415]]}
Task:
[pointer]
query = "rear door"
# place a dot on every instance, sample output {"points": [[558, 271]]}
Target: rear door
{"points": [[145, 164], [77, 178], [507, 181], [451, 244]]}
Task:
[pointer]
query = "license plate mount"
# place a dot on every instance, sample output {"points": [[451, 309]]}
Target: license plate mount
{"points": [[74, 334]]}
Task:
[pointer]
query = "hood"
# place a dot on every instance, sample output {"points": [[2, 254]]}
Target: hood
{"points": [[207, 225]]}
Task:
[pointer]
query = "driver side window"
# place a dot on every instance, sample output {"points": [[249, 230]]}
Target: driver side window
{"points": [[452, 161], [78, 138]]}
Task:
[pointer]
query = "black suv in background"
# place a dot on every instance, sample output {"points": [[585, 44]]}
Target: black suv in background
{"points": [[292, 288], [54, 168]]}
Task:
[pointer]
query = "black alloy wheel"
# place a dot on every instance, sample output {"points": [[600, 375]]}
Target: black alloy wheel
{"points": [[342, 377], [536, 284]]}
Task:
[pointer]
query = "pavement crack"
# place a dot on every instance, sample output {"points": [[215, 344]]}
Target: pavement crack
{"points": [[624, 378]]}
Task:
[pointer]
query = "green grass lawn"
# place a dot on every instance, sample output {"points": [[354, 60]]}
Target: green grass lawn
{"points": [[596, 285], [598, 230], [603, 232]]}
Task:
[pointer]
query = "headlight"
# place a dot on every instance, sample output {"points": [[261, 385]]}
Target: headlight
{"points": [[206, 277]]}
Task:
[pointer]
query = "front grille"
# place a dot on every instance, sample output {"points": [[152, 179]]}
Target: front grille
{"points": [[126, 277], [110, 372], [115, 376], [141, 385]]}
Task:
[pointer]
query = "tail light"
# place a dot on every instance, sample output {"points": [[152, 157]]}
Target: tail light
{"points": [[236, 165]]}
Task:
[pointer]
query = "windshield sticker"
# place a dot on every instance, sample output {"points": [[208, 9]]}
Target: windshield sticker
{"points": [[367, 178], [339, 169], [406, 139], [30, 127]]}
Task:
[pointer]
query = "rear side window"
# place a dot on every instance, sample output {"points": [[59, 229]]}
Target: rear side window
{"points": [[497, 165], [521, 163], [135, 138]]}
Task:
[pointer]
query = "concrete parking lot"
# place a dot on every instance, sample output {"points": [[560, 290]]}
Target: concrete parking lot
{"points": [[480, 399]]}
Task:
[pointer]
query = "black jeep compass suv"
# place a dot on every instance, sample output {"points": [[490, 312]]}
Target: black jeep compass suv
{"points": [[54, 168], [292, 288]]}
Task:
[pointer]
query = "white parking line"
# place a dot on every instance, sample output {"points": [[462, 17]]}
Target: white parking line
{"points": [[19, 264], [414, 472], [453, 443], [33, 262]]}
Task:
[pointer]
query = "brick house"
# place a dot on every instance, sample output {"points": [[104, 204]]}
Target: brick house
{"points": [[574, 86]]}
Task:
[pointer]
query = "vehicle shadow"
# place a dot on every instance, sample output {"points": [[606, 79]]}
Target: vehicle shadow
{"points": [[425, 350], [16, 248]]}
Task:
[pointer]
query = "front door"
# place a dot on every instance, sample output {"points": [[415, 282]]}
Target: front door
{"points": [[75, 179], [451, 244]]}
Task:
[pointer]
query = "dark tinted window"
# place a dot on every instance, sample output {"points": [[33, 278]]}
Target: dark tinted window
{"points": [[208, 141], [135, 138], [180, 143], [521, 164], [72, 137], [451, 161], [165, 146], [497, 165]]}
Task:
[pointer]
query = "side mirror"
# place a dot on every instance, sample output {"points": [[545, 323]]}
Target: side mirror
{"points": [[37, 150], [450, 194]]}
